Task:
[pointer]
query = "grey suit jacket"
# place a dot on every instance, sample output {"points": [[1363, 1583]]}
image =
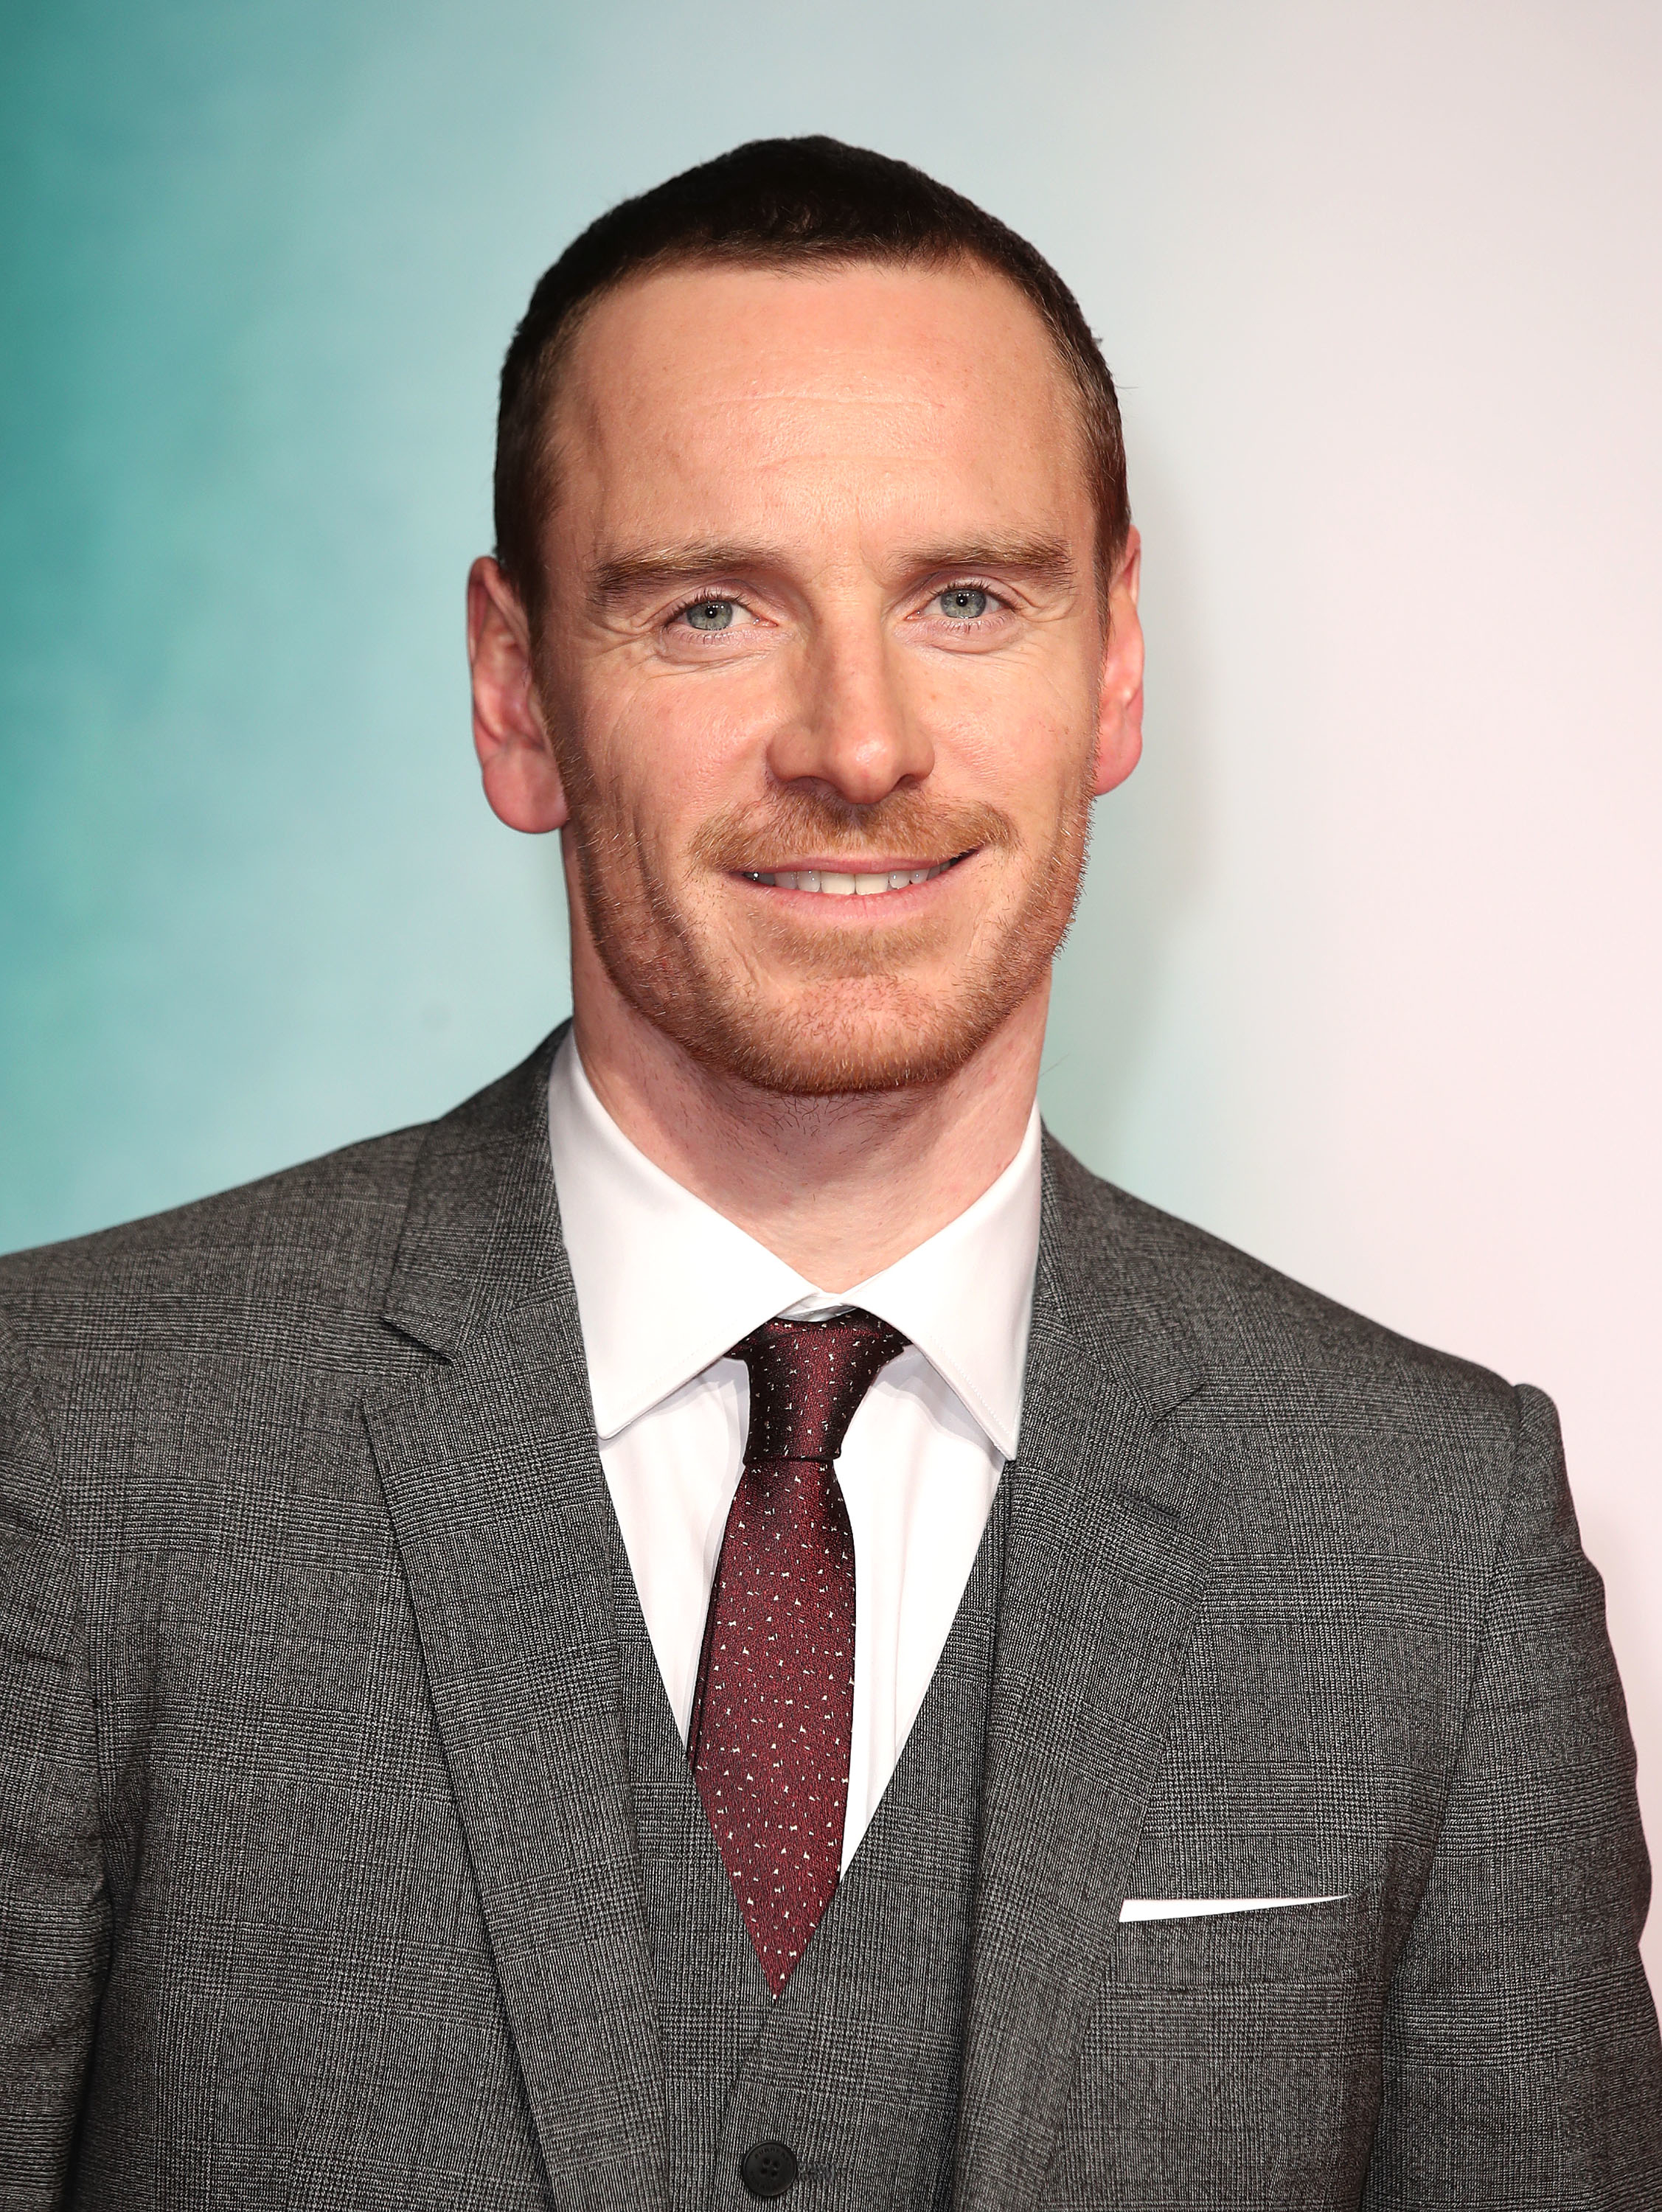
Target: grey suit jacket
{"points": [[319, 1882]]}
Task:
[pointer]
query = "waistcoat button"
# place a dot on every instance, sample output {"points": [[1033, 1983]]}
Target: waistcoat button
{"points": [[768, 2169]]}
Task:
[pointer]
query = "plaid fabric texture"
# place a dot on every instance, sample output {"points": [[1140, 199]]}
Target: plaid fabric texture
{"points": [[320, 1876]]}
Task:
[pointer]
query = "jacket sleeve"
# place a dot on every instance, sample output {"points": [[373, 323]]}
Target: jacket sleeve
{"points": [[54, 1904], [1521, 2058]]}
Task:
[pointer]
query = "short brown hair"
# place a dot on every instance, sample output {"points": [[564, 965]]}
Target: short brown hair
{"points": [[773, 203]]}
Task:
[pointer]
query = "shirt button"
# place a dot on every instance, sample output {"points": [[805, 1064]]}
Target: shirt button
{"points": [[768, 2169]]}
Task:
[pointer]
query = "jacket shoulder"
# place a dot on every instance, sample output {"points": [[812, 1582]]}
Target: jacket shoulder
{"points": [[1247, 1326], [1330, 1435], [321, 1231]]}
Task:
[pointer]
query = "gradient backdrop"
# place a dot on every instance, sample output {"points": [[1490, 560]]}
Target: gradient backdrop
{"points": [[1367, 974]]}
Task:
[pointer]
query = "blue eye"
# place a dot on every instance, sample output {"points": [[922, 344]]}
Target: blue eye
{"points": [[963, 602], [709, 614]]}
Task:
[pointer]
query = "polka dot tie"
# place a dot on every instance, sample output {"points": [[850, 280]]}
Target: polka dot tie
{"points": [[773, 1712]]}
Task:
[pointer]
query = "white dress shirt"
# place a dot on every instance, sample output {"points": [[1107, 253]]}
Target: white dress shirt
{"points": [[666, 1285]]}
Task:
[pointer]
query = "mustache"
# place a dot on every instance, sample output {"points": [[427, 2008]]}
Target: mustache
{"points": [[798, 823]]}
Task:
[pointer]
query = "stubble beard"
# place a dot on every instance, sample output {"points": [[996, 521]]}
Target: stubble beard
{"points": [[801, 1014]]}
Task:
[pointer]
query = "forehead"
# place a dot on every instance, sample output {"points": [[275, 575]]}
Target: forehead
{"points": [[698, 395]]}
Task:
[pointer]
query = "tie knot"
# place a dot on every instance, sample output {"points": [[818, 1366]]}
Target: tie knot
{"points": [[807, 1377]]}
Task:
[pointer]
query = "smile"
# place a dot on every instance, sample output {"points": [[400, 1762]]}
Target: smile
{"points": [[831, 882]]}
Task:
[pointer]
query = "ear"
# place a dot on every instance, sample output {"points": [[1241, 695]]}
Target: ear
{"points": [[522, 781], [1119, 725]]}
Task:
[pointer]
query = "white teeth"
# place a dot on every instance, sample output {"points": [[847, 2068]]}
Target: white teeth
{"points": [[848, 886]]}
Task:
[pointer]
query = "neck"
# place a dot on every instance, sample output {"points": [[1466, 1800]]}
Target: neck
{"points": [[838, 1188]]}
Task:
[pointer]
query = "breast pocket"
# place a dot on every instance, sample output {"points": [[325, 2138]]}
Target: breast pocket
{"points": [[1232, 2059], [1306, 1944]]}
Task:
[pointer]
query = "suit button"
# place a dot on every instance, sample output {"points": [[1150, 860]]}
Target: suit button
{"points": [[768, 2169]]}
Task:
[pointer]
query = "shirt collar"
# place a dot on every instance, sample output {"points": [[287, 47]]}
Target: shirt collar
{"points": [[665, 1283]]}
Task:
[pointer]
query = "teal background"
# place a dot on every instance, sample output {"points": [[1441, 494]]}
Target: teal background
{"points": [[260, 265]]}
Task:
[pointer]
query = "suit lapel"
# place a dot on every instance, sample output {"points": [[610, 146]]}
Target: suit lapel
{"points": [[492, 1478], [1107, 1557]]}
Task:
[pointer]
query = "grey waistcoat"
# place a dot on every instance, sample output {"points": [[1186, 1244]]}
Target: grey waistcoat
{"points": [[856, 2065]]}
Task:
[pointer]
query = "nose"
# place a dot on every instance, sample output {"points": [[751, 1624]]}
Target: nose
{"points": [[853, 729]]}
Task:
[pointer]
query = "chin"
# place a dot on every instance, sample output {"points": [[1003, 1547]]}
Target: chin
{"points": [[830, 1044]]}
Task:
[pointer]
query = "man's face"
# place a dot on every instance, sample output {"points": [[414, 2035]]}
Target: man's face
{"points": [[820, 657]]}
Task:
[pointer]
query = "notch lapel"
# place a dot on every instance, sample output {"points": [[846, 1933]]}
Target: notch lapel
{"points": [[492, 1477], [1108, 1550]]}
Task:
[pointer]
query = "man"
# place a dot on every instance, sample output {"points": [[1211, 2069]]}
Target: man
{"points": [[727, 1622]]}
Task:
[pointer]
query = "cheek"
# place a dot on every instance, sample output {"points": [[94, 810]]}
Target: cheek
{"points": [[1024, 735], [665, 751]]}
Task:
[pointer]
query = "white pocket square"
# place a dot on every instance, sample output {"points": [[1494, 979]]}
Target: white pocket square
{"points": [[1194, 1908]]}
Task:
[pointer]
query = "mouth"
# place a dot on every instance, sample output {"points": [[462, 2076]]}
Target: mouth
{"points": [[836, 882]]}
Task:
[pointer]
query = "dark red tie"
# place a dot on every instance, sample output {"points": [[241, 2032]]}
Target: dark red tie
{"points": [[773, 1712]]}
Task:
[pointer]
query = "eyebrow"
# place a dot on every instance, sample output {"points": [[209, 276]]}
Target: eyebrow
{"points": [[1045, 559], [652, 567]]}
